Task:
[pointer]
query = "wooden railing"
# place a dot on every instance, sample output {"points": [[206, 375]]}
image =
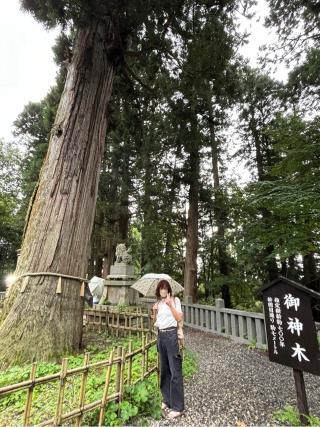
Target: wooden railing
{"points": [[118, 366]]}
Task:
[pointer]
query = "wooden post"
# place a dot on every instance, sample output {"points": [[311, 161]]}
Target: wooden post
{"points": [[143, 364], [141, 325], [100, 321], [122, 372], [147, 352], [149, 321], [93, 320], [112, 324], [27, 410], [302, 401], [129, 363], [130, 326], [126, 324], [83, 388], [104, 400], [61, 392], [106, 318], [118, 323], [118, 371]]}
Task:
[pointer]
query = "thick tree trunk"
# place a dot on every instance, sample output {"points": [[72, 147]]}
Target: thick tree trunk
{"points": [[108, 257], [147, 248], [271, 268], [220, 217], [284, 268], [311, 278], [190, 270], [124, 217], [293, 269], [42, 324], [170, 231]]}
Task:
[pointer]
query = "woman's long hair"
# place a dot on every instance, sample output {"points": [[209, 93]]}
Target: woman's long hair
{"points": [[163, 284]]}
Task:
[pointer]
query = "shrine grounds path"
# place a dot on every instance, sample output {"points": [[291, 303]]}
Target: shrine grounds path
{"points": [[237, 386]]}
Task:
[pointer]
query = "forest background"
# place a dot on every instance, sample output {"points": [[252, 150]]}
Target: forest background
{"points": [[211, 167]]}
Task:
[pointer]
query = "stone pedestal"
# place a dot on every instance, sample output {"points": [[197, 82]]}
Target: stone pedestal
{"points": [[117, 288], [121, 269]]}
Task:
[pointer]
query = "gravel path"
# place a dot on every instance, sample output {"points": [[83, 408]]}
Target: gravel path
{"points": [[236, 386]]}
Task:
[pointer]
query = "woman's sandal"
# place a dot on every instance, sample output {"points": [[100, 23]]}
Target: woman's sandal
{"points": [[164, 406], [173, 414]]}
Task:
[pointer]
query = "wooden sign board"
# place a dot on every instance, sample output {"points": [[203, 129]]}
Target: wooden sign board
{"points": [[291, 333]]}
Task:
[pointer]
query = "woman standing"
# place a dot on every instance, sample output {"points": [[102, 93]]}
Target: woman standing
{"points": [[167, 311]]}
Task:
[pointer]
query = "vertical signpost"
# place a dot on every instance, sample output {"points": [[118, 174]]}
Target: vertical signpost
{"points": [[291, 333]]}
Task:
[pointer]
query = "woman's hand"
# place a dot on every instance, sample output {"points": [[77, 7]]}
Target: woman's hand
{"points": [[169, 301], [155, 306]]}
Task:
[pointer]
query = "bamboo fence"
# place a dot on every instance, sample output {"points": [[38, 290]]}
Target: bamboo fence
{"points": [[119, 363], [117, 322]]}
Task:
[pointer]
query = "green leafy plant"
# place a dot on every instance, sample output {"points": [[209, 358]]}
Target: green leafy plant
{"points": [[252, 345], [290, 416], [121, 307], [140, 401]]}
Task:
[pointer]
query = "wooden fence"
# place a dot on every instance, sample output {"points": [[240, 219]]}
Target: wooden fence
{"points": [[135, 320], [118, 366]]}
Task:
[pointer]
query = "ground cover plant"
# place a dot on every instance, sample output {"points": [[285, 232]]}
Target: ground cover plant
{"points": [[140, 401]]}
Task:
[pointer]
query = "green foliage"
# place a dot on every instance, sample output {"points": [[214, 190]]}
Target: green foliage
{"points": [[206, 301], [32, 129], [297, 24], [190, 364], [252, 345], [163, 116], [291, 199], [290, 416], [303, 85], [121, 307], [10, 200], [140, 401]]}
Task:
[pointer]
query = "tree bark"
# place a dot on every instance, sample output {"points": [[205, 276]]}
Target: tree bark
{"points": [[220, 217], [108, 258], [42, 324], [190, 270], [271, 268], [293, 269], [310, 276], [170, 230]]}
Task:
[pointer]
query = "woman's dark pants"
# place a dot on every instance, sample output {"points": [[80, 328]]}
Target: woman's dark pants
{"points": [[171, 382]]}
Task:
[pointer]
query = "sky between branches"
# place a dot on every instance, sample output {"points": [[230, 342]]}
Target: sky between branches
{"points": [[27, 70]]}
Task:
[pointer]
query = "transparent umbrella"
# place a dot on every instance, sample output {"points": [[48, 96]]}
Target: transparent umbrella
{"points": [[96, 286], [147, 284]]}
